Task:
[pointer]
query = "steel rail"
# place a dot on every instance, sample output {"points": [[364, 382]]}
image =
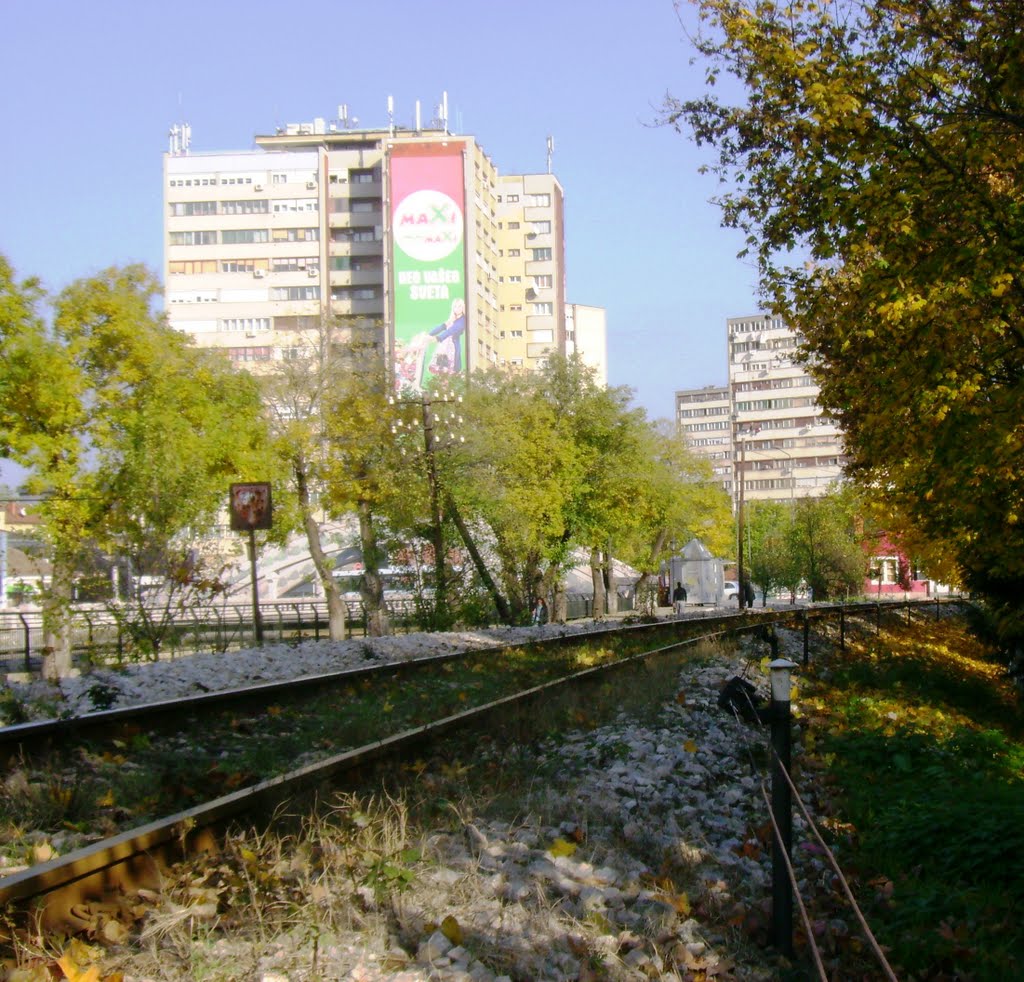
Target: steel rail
{"points": [[134, 858], [28, 737]]}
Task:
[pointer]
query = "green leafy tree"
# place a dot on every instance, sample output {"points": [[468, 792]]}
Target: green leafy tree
{"points": [[513, 477], [130, 436], [826, 546], [880, 145], [612, 449], [363, 473], [770, 559], [298, 393], [676, 501]]}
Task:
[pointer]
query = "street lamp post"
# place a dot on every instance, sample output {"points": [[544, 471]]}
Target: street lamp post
{"points": [[430, 446], [740, 501], [782, 804], [739, 523]]}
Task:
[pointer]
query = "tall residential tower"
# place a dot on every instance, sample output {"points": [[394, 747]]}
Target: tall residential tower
{"points": [[408, 242]]}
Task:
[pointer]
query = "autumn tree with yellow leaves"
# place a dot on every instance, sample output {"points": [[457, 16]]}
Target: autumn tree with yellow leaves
{"points": [[872, 154]]}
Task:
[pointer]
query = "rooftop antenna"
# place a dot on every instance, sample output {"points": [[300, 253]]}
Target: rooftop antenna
{"points": [[418, 127], [551, 150], [343, 117], [179, 139], [391, 115], [444, 111]]}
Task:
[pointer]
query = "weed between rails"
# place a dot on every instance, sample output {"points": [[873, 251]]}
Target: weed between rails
{"points": [[52, 805], [921, 734]]}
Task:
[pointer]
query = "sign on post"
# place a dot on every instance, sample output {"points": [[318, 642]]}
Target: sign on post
{"points": [[251, 509]]}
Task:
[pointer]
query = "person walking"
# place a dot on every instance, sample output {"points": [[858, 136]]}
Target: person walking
{"points": [[678, 598], [540, 612]]}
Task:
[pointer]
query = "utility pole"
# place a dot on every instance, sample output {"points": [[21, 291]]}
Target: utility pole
{"points": [[436, 530]]}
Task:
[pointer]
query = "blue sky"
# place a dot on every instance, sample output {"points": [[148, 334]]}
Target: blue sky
{"points": [[91, 89]]}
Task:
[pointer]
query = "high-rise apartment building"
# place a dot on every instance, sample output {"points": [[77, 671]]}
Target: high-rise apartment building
{"points": [[586, 334], [705, 417], [786, 446], [766, 424], [408, 242]]}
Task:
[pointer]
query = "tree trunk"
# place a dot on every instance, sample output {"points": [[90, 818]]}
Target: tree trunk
{"points": [[504, 613], [336, 615], [597, 578], [371, 588], [56, 605], [609, 584], [559, 602], [646, 593]]}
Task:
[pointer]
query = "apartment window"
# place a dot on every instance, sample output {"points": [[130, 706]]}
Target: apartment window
{"points": [[544, 309], [354, 293], [301, 322], [193, 238], [363, 176], [244, 236], [364, 235], [540, 228], [248, 324], [513, 253], [242, 265], [236, 180], [512, 198], [538, 200], [543, 282], [515, 306], [515, 279], [251, 207], [540, 255], [199, 296], [363, 206], [188, 209], [513, 225], [293, 264], [515, 334], [296, 235], [355, 263], [192, 267], [250, 354], [285, 205], [295, 293]]}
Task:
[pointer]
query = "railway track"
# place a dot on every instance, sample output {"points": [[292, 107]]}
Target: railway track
{"points": [[133, 858]]}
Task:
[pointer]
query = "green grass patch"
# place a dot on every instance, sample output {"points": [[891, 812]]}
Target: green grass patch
{"points": [[922, 737]]}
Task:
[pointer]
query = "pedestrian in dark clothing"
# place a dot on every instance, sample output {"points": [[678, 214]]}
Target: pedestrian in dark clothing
{"points": [[678, 598]]}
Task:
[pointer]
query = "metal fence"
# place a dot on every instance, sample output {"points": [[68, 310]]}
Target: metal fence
{"points": [[102, 635]]}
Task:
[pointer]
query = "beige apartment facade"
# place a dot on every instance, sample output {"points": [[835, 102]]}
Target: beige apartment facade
{"points": [[409, 243], [765, 428], [704, 416], [586, 335]]}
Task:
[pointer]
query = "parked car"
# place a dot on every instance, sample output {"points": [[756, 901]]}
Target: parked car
{"points": [[731, 591]]}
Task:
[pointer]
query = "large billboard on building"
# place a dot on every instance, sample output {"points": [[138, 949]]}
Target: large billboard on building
{"points": [[428, 262]]}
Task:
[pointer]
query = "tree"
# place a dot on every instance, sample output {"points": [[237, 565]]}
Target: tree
{"points": [[678, 500], [297, 393], [513, 476], [130, 436], [874, 164], [770, 557], [362, 472], [826, 546]]}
